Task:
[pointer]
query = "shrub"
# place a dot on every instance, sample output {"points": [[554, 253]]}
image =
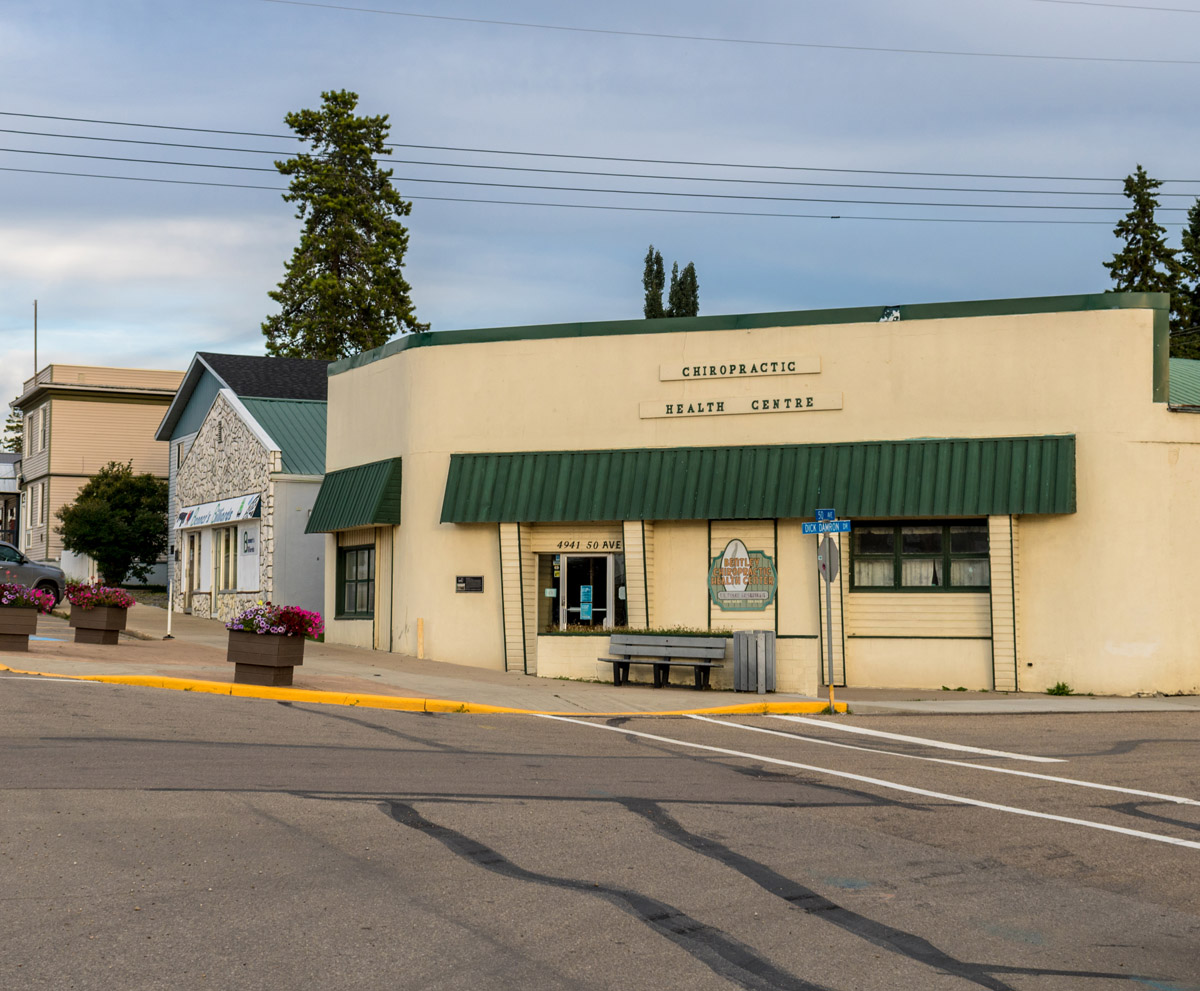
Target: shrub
{"points": [[23, 597], [1060, 688], [90, 596], [291, 621]]}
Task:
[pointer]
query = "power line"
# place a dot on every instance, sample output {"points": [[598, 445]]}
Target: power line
{"points": [[618, 192], [607, 158], [1122, 6], [599, 206], [741, 41], [589, 172]]}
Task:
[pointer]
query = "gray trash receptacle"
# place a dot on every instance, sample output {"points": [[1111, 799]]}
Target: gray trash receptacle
{"points": [[754, 661]]}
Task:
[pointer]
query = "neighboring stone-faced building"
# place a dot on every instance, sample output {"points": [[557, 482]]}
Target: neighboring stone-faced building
{"points": [[247, 438], [77, 419]]}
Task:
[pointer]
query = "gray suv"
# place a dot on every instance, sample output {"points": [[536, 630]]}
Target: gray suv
{"points": [[16, 567]]}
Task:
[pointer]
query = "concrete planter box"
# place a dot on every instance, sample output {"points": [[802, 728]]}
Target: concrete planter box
{"points": [[17, 623], [264, 658], [102, 624]]}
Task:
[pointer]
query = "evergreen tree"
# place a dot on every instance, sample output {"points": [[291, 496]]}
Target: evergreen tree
{"points": [[653, 281], [343, 291], [14, 428], [1187, 345], [1145, 263]]}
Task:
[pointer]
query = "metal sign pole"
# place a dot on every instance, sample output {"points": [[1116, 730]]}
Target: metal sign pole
{"points": [[829, 629]]}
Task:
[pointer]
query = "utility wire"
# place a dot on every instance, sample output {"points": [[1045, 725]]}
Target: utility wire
{"points": [[617, 192], [613, 207], [605, 158], [1122, 6], [587, 172], [741, 41]]}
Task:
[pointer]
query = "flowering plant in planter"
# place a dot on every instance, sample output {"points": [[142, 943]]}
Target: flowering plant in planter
{"points": [[84, 596], [23, 597], [288, 621]]}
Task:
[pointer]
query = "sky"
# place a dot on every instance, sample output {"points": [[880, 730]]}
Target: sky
{"points": [[798, 101]]}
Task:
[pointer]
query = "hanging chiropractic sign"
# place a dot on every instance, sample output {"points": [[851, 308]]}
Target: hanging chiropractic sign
{"points": [[741, 580]]}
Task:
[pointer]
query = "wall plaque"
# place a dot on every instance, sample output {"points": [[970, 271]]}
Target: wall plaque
{"points": [[741, 580], [468, 583]]}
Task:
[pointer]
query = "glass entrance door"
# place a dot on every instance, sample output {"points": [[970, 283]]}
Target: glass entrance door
{"points": [[586, 593]]}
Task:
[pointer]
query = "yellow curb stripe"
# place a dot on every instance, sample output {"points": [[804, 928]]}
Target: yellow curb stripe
{"points": [[403, 704]]}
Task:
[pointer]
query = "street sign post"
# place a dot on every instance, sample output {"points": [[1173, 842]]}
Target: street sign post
{"points": [[828, 564]]}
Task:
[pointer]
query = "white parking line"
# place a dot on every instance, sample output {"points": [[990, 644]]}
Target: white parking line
{"points": [[940, 744], [880, 782], [1178, 799]]}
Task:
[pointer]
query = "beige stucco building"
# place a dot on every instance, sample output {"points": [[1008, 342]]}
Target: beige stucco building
{"points": [[1023, 494], [78, 418]]}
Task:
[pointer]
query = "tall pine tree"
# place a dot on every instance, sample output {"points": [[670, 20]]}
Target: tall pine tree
{"points": [[343, 291], [1145, 263], [14, 430], [1187, 343]]}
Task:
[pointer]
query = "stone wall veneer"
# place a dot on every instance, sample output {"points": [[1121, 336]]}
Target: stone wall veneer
{"points": [[237, 464]]}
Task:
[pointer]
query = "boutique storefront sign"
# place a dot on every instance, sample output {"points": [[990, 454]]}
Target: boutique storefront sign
{"points": [[741, 580], [247, 507]]}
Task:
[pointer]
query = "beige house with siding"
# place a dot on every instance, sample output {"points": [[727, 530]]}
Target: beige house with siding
{"points": [[1021, 477], [77, 419]]}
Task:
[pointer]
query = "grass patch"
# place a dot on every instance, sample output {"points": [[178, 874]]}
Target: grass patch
{"points": [[1060, 688]]}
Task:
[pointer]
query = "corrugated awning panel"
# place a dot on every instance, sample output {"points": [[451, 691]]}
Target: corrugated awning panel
{"points": [[909, 478], [365, 495]]}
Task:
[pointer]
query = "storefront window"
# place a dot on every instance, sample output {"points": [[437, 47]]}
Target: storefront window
{"points": [[920, 557], [581, 591], [356, 583], [226, 555]]}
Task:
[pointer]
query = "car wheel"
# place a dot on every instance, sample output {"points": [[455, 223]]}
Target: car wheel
{"points": [[52, 588]]}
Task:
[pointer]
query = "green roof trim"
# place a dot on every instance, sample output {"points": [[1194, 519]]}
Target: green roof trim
{"points": [[298, 427], [867, 480], [365, 495], [1185, 382], [748, 321]]}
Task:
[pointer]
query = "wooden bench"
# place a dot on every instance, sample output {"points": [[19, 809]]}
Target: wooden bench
{"points": [[701, 654]]}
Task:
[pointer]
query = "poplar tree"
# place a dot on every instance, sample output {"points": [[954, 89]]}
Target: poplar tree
{"points": [[653, 281], [1145, 263], [343, 290], [683, 297]]}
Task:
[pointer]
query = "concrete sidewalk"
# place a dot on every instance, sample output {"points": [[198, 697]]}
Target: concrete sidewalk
{"points": [[197, 654]]}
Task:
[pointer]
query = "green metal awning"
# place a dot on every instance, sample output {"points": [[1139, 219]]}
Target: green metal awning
{"points": [[875, 479], [365, 495]]}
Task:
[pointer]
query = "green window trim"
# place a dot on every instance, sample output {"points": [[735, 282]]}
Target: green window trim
{"points": [[363, 555], [945, 557]]}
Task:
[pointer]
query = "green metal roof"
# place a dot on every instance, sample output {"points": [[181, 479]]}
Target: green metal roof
{"points": [[364, 495], [1185, 382], [908, 478], [298, 427]]}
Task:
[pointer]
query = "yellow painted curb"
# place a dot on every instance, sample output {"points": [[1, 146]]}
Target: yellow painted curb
{"points": [[403, 704]]}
